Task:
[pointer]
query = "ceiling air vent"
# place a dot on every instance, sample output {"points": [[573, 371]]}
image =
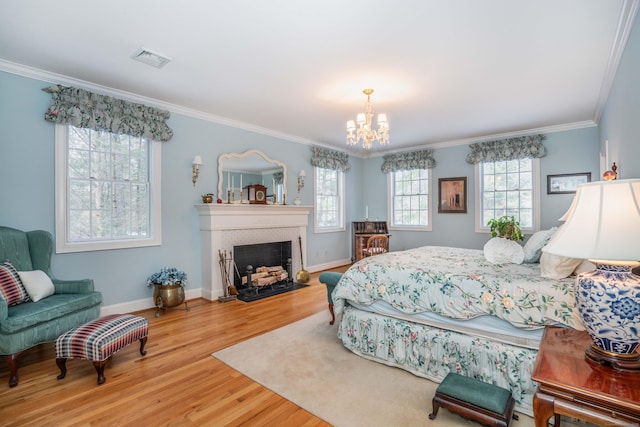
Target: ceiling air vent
{"points": [[150, 58]]}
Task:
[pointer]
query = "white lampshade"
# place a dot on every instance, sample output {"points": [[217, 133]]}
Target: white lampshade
{"points": [[602, 223], [302, 173], [197, 160], [351, 125], [569, 211], [382, 120], [360, 118]]}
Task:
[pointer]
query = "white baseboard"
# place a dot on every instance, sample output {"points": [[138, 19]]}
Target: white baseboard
{"points": [[329, 265], [142, 304]]}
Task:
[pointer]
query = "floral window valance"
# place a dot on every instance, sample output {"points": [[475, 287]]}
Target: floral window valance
{"points": [[405, 161], [81, 108], [524, 147], [278, 177], [329, 159]]}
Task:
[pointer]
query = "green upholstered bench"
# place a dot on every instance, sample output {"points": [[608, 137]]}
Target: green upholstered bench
{"points": [[475, 400], [330, 279]]}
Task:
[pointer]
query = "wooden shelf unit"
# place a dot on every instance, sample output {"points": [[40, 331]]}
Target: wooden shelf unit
{"points": [[361, 231]]}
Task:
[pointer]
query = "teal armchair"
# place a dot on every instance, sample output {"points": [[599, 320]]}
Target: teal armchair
{"points": [[28, 324]]}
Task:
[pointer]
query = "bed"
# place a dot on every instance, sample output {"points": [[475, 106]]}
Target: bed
{"points": [[432, 310]]}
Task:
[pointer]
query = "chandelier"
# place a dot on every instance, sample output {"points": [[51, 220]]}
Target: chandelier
{"points": [[365, 131]]}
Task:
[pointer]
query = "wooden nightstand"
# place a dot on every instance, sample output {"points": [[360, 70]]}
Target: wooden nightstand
{"points": [[569, 384]]}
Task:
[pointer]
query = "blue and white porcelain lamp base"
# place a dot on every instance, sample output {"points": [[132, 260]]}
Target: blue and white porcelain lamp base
{"points": [[608, 300]]}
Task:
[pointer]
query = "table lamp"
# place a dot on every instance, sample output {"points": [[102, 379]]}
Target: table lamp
{"points": [[603, 226]]}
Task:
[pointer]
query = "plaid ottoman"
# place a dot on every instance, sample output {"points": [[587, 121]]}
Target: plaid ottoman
{"points": [[99, 339]]}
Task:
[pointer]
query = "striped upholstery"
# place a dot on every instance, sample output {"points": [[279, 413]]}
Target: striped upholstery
{"points": [[11, 288], [101, 338]]}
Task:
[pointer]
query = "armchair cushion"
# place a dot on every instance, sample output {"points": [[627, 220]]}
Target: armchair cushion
{"points": [[52, 308], [11, 289]]}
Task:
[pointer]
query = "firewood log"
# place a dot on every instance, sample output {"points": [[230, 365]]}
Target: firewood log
{"points": [[254, 276], [268, 269], [264, 281]]}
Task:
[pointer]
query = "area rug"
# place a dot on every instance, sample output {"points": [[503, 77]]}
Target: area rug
{"points": [[306, 363], [254, 294]]}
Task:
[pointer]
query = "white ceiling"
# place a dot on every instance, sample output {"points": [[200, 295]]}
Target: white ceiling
{"points": [[444, 71]]}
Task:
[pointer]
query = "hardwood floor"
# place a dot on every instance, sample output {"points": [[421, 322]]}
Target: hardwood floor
{"points": [[177, 383]]}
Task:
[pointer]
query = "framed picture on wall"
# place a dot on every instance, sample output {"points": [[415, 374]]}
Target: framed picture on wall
{"points": [[452, 195], [566, 183]]}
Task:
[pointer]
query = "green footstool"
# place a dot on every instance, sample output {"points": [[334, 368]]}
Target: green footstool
{"points": [[475, 400], [330, 279]]}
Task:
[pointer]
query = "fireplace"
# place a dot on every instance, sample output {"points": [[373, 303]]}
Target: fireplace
{"points": [[223, 226], [275, 254]]}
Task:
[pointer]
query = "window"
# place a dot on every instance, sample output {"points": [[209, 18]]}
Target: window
{"points": [[329, 197], [107, 190], [411, 199], [509, 188]]}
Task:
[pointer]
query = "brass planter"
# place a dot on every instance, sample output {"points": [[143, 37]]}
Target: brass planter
{"points": [[167, 296]]}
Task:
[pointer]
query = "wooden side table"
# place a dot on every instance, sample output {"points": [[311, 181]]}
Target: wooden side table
{"points": [[571, 385]]}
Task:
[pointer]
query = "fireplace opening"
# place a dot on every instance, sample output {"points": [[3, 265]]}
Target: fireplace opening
{"points": [[263, 270]]}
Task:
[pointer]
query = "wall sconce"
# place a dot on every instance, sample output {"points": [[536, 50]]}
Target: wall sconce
{"points": [[301, 176], [195, 169]]}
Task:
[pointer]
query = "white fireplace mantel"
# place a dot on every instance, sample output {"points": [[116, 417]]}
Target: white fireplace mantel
{"points": [[222, 226]]}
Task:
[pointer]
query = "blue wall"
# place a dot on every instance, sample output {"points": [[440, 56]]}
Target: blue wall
{"points": [[27, 172], [567, 152], [620, 122]]}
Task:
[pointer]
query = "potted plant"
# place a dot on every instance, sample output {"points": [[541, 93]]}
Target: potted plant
{"points": [[168, 284], [506, 227]]}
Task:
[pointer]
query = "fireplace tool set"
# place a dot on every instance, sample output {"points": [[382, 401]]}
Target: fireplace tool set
{"points": [[227, 264]]}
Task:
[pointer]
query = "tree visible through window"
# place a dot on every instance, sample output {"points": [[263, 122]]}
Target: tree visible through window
{"points": [[329, 190], [410, 195], [108, 189], [507, 188]]}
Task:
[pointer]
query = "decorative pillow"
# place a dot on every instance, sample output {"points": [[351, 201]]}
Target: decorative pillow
{"points": [[584, 267], [556, 266], [499, 250], [533, 247], [37, 284], [11, 288]]}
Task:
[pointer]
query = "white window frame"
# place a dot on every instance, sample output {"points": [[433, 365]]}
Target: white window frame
{"points": [[483, 228], [341, 199], [390, 207], [63, 245]]}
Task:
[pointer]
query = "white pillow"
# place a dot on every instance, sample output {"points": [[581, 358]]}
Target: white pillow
{"points": [[556, 266], [533, 247], [584, 267], [37, 284], [502, 251]]}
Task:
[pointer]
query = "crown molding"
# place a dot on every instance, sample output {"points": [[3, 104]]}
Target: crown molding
{"points": [[625, 24], [506, 135], [53, 78]]}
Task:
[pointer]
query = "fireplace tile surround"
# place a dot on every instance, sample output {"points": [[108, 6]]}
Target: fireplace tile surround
{"points": [[223, 226]]}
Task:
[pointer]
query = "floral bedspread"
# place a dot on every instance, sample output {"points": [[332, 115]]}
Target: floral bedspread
{"points": [[460, 284]]}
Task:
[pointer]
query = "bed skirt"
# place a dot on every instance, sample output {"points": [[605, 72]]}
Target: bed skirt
{"points": [[432, 352]]}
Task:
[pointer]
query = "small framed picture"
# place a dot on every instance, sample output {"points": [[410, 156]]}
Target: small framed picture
{"points": [[566, 183], [452, 195]]}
